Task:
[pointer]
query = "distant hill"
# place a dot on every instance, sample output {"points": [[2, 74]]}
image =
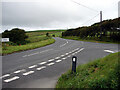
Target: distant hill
{"points": [[107, 29]]}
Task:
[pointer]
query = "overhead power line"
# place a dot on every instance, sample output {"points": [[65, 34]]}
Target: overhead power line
{"points": [[91, 19], [85, 6]]}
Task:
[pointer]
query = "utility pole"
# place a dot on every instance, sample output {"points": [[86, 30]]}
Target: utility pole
{"points": [[100, 24]]}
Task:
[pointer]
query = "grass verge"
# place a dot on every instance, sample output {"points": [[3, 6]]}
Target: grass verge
{"points": [[89, 40], [101, 73], [29, 46]]}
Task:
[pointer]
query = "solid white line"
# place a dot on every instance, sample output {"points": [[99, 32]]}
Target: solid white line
{"points": [[58, 60], [7, 75], [57, 57], [32, 66], [51, 60], [42, 63], [50, 64], [41, 67], [27, 73], [109, 51], [11, 79]]}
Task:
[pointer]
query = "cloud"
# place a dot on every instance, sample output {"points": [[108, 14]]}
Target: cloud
{"points": [[54, 13]]}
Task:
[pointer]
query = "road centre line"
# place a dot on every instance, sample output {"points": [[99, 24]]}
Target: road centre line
{"points": [[50, 64], [58, 60], [11, 79], [27, 73], [42, 63], [6, 75], [32, 66], [37, 53], [41, 67], [51, 60], [57, 57], [18, 71]]}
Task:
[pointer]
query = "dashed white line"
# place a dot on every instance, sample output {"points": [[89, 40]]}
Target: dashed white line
{"points": [[63, 58], [58, 60], [51, 60], [27, 73], [66, 54], [11, 79], [57, 57], [18, 71], [24, 56], [73, 54], [69, 56], [32, 66], [41, 67], [50, 64], [42, 63], [62, 55], [109, 51], [7, 75]]}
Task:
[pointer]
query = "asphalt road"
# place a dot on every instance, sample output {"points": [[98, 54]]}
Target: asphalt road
{"points": [[41, 67]]}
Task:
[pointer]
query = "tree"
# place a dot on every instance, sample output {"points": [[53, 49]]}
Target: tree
{"points": [[47, 34], [15, 35]]}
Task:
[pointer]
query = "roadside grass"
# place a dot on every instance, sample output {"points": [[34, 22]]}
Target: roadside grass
{"points": [[35, 39], [101, 73], [90, 40], [28, 46]]}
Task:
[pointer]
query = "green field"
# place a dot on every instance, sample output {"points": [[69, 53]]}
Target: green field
{"points": [[101, 73], [35, 39]]}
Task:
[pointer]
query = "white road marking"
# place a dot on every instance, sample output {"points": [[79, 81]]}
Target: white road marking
{"points": [[32, 66], [109, 51], [11, 79], [62, 55], [69, 56], [66, 54], [37, 53], [46, 50], [42, 63], [24, 56], [41, 67], [73, 54], [27, 73], [58, 60], [50, 64], [51, 60], [7, 75], [63, 58], [77, 49], [57, 57], [18, 71], [63, 45], [81, 49]]}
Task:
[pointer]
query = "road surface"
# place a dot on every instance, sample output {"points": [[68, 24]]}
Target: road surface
{"points": [[41, 67]]}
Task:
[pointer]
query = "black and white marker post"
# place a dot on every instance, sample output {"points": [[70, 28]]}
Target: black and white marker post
{"points": [[74, 62]]}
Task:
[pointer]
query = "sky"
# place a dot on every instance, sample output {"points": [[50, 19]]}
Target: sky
{"points": [[55, 14]]}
